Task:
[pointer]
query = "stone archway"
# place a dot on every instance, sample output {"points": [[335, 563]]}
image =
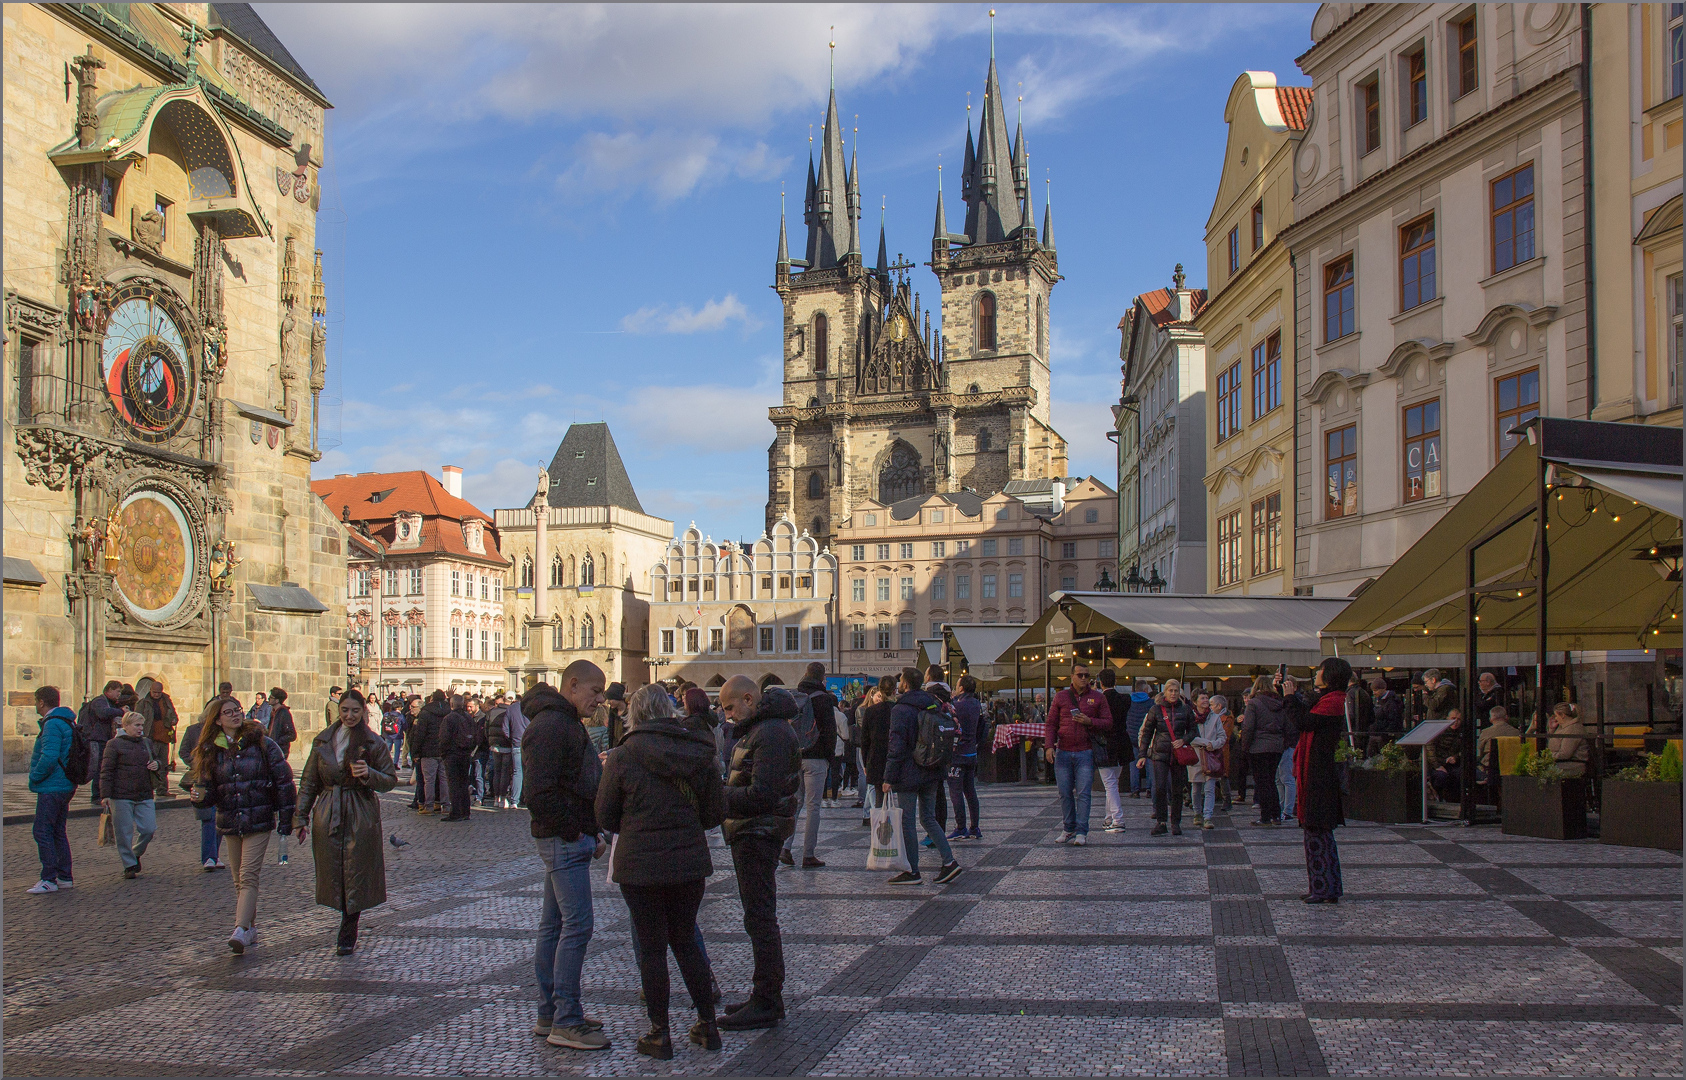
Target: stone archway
{"points": [[901, 474]]}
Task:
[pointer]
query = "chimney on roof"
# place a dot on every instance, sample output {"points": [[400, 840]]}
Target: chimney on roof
{"points": [[1058, 502], [451, 476]]}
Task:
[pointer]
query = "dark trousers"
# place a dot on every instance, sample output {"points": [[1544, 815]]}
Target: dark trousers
{"points": [[665, 917], [348, 927], [482, 774], [456, 772], [95, 749], [1240, 769], [851, 767], [161, 778], [1448, 782], [963, 789], [942, 806], [1264, 783], [755, 858], [1170, 784], [420, 778], [51, 841], [503, 771]]}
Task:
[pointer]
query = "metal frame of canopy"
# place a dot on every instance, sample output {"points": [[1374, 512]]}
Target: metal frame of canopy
{"points": [[1584, 477]]}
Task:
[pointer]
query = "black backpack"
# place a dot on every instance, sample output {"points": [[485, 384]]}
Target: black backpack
{"points": [[77, 763], [938, 729], [807, 728]]}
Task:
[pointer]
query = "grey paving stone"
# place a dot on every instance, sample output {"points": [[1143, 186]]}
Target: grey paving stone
{"points": [[1523, 974], [1636, 918], [1166, 973], [1566, 1046]]}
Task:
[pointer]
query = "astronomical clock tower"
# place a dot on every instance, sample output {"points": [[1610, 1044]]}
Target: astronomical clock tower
{"points": [[166, 346]]}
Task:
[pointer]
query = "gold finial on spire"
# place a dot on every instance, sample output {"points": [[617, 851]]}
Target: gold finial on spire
{"points": [[834, 58], [992, 33]]}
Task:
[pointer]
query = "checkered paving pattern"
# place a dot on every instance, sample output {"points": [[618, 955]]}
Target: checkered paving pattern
{"points": [[1454, 952]]}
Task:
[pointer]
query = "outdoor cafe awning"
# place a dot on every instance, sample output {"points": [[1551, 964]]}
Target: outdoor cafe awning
{"points": [[985, 648], [1613, 503], [1254, 630]]}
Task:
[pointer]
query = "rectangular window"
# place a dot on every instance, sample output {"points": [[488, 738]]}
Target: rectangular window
{"points": [[389, 583], [1068, 549], [28, 350], [764, 638], [1341, 472], [1108, 549], [1015, 585], [716, 639], [906, 635], [907, 588], [415, 580], [939, 549], [456, 582], [816, 639], [1675, 68], [962, 548], [1267, 535], [1068, 583], [857, 552], [392, 643], [962, 586], [1513, 218], [937, 517], [456, 643], [936, 628], [1416, 88], [1267, 375], [883, 588], [857, 636], [767, 584], [1258, 225], [1469, 70], [693, 639], [1229, 548], [108, 194], [1422, 451], [1416, 263], [485, 587], [939, 588], [667, 641], [416, 642], [1229, 402], [1517, 401], [989, 586], [907, 551], [485, 644], [162, 205], [1337, 299], [989, 549], [793, 639], [1091, 515], [1370, 114], [1676, 301], [857, 590], [497, 590], [884, 636], [1234, 244], [1015, 545], [497, 645], [883, 551]]}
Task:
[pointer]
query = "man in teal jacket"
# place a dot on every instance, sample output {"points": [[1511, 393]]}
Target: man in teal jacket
{"points": [[52, 788]]}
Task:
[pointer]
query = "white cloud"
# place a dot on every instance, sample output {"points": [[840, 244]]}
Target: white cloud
{"points": [[683, 319], [670, 164]]}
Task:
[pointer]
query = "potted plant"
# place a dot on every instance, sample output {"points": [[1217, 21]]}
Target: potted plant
{"points": [[1641, 804], [1540, 801], [1385, 788]]}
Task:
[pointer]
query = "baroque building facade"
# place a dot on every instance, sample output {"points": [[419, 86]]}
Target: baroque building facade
{"points": [[1440, 247], [877, 405], [1248, 325], [580, 555], [424, 584], [165, 347], [763, 609]]}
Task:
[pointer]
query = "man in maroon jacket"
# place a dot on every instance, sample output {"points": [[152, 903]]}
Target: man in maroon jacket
{"points": [[1075, 712]]}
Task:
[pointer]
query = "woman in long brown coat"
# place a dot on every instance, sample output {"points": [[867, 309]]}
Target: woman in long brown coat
{"points": [[348, 764]]}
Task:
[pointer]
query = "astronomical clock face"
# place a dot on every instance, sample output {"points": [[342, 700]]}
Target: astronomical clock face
{"points": [[156, 555], [145, 364]]}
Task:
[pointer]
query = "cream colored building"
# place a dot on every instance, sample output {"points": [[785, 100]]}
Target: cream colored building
{"points": [[1636, 79], [719, 610], [165, 346], [425, 584], [580, 554], [912, 567], [1439, 237], [1248, 324]]}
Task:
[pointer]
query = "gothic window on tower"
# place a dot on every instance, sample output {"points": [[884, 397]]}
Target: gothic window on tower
{"points": [[1041, 330], [816, 486], [588, 633], [817, 526], [983, 440], [902, 476], [986, 321], [821, 343], [588, 571], [556, 572]]}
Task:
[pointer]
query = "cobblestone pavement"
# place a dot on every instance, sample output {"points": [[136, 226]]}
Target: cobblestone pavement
{"points": [[1455, 952]]}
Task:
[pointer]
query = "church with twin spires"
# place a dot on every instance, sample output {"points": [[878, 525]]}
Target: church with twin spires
{"points": [[879, 406]]}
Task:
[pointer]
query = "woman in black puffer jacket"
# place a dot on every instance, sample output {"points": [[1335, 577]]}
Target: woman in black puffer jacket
{"points": [[1169, 725], [243, 774], [1267, 731]]}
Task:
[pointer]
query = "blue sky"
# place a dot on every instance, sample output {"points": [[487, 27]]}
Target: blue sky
{"points": [[533, 215]]}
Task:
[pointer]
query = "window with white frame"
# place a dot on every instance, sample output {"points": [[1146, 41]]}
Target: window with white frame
{"points": [[485, 644], [883, 591], [883, 551], [1068, 549], [884, 635], [497, 645], [764, 638], [1676, 301], [907, 551], [456, 643], [907, 588], [1015, 585], [906, 635], [716, 639], [415, 580], [415, 633], [857, 636], [389, 583], [793, 639], [939, 588], [857, 552], [693, 639], [989, 586], [962, 548], [939, 549], [962, 586], [816, 639], [857, 590], [456, 582], [667, 637], [1108, 549], [1015, 545], [391, 642]]}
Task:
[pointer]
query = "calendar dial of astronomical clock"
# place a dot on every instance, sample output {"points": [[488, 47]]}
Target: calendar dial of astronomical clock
{"points": [[146, 363]]}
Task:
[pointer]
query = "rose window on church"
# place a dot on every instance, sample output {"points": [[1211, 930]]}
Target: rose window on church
{"points": [[156, 556], [902, 477]]}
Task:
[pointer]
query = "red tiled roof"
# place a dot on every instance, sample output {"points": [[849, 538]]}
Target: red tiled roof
{"points": [[416, 492], [1158, 303], [1294, 102]]}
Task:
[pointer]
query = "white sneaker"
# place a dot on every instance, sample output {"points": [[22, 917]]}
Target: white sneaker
{"points": [[1079, 840], [220, 865], [239, 940], [66, 883], [1106, 823], [1064, 838], [44, 886], [210, 864]]}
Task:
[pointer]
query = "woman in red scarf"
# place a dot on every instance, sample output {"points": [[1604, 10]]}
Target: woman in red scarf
{"points": [[1320, 716]]}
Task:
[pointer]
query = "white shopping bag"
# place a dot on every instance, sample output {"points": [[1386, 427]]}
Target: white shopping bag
{"points": [[609, 859], [886, 847]]}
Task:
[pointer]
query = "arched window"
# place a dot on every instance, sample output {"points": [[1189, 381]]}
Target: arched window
{"points": [[1041, 332], [588, 571], [902, 476], [986, 321], [526, 571], [983, 440], [822, 342], [816, 486], [817, 527], [556, 572], [588, 633], [557, 641]]}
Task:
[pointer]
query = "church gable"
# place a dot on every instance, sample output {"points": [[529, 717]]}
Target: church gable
{"points": [[900, 359]]}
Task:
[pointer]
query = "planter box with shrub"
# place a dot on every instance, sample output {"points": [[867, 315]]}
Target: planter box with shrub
{"points": [[1551, 809], [1389, 796], [1641, 805]]}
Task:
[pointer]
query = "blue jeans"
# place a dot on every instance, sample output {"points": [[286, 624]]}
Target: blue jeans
{"points": [[920, 805], [1211, 787], [1074, 771], [50, 839], [135, 821], [210, 841], [515, 779], [1285, 780], [1141, 779], [564, 927]]}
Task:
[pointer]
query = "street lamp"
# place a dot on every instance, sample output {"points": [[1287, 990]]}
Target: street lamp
{"points": [[1134, 582], [1106, 584], [1156, 583]]}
